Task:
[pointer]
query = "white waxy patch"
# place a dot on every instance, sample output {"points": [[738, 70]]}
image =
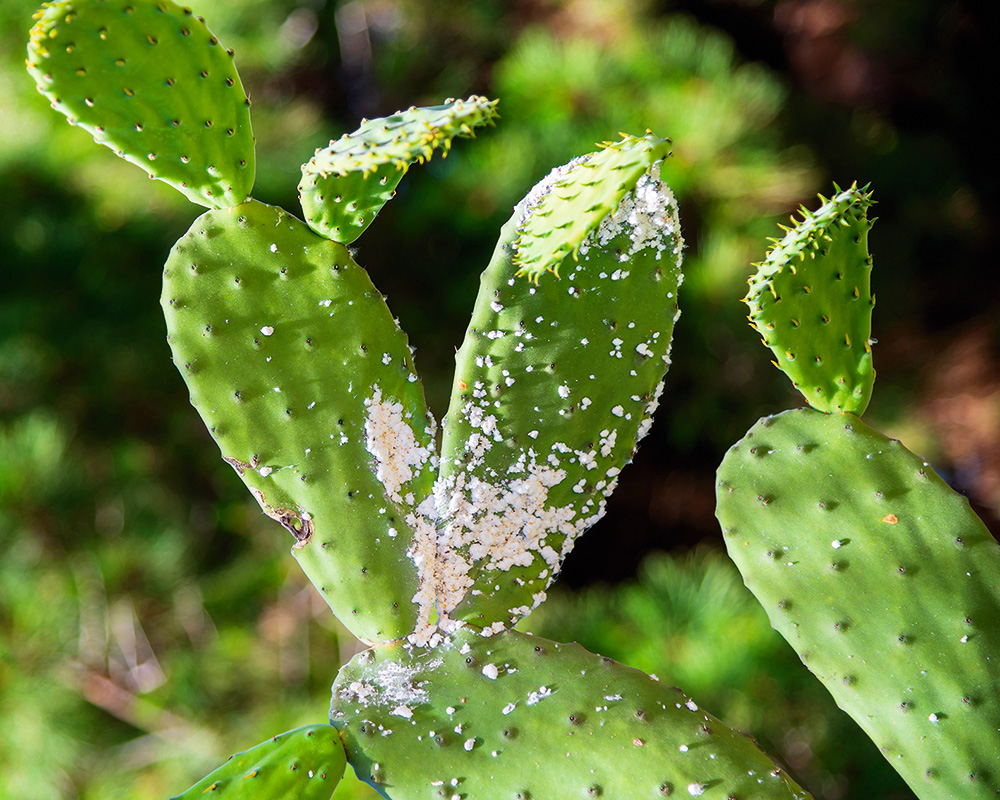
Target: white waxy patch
{"points": [[469, 744], [564, 391], [618, 411], [696, 789], [267, 330], [508, 708], [490, 671], [265, 471], [402, 711], [691, 705], [393, 443], [273, 248]]}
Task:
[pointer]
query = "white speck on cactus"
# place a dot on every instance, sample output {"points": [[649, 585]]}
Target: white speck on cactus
{"points": [[508, 708], [695, 789], [265, 471], [537, 697], [618, 411], [692, 705], [267, 330], [490, 671], [683, 748], [564, 391], [469, 744]]}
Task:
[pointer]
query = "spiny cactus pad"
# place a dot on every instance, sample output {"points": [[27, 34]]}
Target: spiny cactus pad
{"points": [[811, 302], [307, 383], [148, 79], [885, 583], [554, 385], [345, 185], [306, 763], [518, 716], [570, 205]]}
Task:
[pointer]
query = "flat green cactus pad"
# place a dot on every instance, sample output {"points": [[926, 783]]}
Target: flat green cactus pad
{"points": [[307, 383], [148, 79], [885, 583], [570, 205], [306, 763], [518, 716], [811, 302], [554, 385], [345, 185]]}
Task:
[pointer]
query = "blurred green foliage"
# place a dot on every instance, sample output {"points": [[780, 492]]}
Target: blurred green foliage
{"points": [[150, 619]]}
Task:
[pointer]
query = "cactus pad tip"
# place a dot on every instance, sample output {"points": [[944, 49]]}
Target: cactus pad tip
{"points": [[811, 302]]}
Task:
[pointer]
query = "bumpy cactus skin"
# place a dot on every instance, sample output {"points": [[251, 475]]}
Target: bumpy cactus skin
{"points": [[148, 79], [306, 763], [518, 716], [877, 573], [554, 385], [811, 302], [884, 581], [345, 185], [574, 203], [306, 381], [308, 385]]}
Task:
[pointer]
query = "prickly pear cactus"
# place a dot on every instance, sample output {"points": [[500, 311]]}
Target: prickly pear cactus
{"points": [[148, 79], [308, 385], [345, 185], [523, 717], [876, 572], [306, 763], [554, 385], [811, 302]]}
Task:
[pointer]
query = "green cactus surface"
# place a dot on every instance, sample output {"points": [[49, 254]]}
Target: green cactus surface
{"points": [[345, 185], [307, 383], [885, 583], [518, 716], [306, 763], [148, 79], [554, 385], [569, 206], [811, 302]]}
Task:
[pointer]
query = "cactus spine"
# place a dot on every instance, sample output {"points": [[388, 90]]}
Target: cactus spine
{"points": [[876, 572]]}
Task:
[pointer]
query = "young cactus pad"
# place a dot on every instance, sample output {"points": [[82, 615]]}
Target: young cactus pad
{"points": [[885, 583], [307, 383], [148, 79], [518, 716], [554, 385], [569, 206], [306, 763], [811, 302], [345, 185]]}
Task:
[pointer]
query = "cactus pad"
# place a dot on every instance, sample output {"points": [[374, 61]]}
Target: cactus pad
{"points": [[307, 383], [885, 583], [306, 763], [345, 185], [554, 385], [570, 205], [811, 302], [148, 79], [518, 716]]}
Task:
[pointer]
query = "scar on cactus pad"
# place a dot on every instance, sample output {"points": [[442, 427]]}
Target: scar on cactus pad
{"points": [[428, 553], [877, 573]]}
